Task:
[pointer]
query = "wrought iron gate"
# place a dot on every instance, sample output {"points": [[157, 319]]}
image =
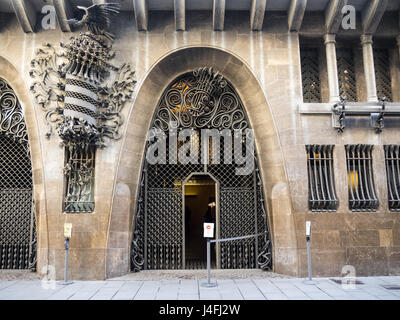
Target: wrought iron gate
{"points": [[17, 218], [198, 100]]}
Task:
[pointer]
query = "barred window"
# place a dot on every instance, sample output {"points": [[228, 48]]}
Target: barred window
{"points": [[79, 179], [346, 73], [310, 74], [382, 74], [392, 159], [321, 184], [362, 195]]}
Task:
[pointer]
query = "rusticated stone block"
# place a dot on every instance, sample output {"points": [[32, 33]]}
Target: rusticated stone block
{"points": [[368, 260]]}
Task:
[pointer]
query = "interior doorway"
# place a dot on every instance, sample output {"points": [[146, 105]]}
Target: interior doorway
{"points": [[200, 207]]}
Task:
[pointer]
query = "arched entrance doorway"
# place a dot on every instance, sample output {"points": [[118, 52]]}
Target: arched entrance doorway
{"points": [[17, 218], [200, 126]]}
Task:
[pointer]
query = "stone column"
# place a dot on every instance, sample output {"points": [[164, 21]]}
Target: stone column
{"points": [[369, 68], [331, 62]]}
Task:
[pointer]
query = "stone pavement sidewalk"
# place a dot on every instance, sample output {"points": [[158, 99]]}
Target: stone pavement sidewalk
{"points": [[226, 289]]}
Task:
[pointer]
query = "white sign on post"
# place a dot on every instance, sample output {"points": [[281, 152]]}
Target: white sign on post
{"points": [[208, 230], [308, 228], [67, 230]]}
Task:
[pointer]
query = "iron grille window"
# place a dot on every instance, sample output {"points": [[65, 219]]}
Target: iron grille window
{"points": [[362, 195], [346, 74], [79, 179], [321, 183], [310, 74], [382, 74], [392, 159]]}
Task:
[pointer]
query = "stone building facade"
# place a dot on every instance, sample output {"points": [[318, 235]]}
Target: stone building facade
{"points": [[285, 61]]}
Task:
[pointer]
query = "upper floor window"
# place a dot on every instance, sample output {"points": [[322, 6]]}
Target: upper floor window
{"points": [[310, 74], [382, 74], [346, 73]]}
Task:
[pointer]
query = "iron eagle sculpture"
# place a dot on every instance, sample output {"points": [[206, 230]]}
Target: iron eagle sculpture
{"points": [[97, 18], [83, 94], [73, 87]]}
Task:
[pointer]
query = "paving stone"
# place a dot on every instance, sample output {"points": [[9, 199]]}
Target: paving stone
{"points": [[238, 289], [114, 284], [144, 296], [319, 296], [300, 298], [294, 293], [232, 296], [188, 297], [363, 296], [388, 297], [104, 294], [167, 296], [275, 296], [83, 295]]}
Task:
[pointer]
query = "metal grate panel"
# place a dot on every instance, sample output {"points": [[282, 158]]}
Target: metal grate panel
{"points": [[17, 218], [321, 182], [238, 254], [362, 195], [79, 179], [346, 74], [392, 160], [382, 74], [310, 74]]}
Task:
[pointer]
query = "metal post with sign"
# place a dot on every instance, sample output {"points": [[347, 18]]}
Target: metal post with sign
{"points": [[67, 236], [308, 239], [209, 233]]}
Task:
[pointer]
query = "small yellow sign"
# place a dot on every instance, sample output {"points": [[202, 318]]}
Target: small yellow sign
{"points": [[67, 230]]}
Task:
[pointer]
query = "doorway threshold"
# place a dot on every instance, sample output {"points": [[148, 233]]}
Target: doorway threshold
{"points": [[198, 274]]}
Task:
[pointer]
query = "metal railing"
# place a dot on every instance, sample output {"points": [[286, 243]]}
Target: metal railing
{"points": [[213, 284]]}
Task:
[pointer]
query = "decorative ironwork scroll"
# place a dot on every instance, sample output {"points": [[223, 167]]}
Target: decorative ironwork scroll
{"points": [[321, 182], [197, 100], [82, 93], [310, 74], [362, 195], [17, 216]]}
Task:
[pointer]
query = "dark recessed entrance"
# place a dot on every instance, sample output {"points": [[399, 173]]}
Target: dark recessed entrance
{"points": [[200, 207]]}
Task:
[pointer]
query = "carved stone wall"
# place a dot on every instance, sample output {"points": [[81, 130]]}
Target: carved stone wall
{"points": [[264, 67]]}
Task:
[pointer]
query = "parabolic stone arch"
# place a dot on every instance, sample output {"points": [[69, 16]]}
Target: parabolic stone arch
{"points": [[271, 164]]}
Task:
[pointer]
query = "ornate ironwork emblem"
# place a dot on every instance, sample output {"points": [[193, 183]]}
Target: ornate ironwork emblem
{"points": [[83, 94]]}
